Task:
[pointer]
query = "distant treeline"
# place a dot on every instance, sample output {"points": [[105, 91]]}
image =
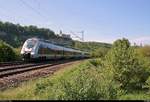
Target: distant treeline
{"points": [[15, 35]]}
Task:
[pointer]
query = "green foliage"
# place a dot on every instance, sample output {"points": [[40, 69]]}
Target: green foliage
{"points": [[84, 82], [121, 74], [87, 81], [17, 52], [129, 70], [96, 62], [6, 52], [93, 47], [15, 35], [135, 96], [83, 87], [100, 52], [147, 85]]}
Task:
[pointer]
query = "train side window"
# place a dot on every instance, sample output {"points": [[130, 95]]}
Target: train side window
{"points": [[47, 50], [52, 52], [40, 50], [59, 52]]}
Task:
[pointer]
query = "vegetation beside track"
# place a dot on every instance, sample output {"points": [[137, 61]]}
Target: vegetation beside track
{"points": [[122, 74], [121, 71], [27, 89], [7, 53]]}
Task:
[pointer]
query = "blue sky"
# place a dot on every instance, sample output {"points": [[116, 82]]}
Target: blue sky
{"points": [[101, 20]]}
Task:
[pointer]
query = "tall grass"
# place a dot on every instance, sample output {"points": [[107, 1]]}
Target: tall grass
{"points": [[80, 82]]}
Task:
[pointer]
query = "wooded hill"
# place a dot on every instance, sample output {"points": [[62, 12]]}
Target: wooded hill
{"points": [[15, 35]]}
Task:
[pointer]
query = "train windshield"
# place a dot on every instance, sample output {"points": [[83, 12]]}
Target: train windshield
{"points": [[31, 44]]}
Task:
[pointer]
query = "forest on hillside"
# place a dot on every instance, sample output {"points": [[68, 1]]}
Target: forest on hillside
{"points": [[14, 35]]}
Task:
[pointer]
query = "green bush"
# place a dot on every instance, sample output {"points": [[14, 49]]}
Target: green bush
{"points": [[96, 62], [147, 85], [6, 52], [100, 52], [17, 52], [84, 82], [130, 71]]}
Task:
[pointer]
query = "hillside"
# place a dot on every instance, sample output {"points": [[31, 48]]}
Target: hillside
{"points": [[15, 35], [90, 46]]}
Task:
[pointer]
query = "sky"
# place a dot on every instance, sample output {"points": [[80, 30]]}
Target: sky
{"points": [[101, 20]]}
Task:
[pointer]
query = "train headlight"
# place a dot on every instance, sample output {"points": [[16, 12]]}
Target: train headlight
{"points": [[32, 53]]}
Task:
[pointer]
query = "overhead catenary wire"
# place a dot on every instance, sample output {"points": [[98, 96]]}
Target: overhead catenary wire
{"points": [[9, 14], [45, 18], [34, 10], [37, 11], [76, 36], [38, 4]]}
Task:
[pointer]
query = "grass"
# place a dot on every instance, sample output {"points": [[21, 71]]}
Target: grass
{"points": [[136, 96], [26, 91], [87, 80]]}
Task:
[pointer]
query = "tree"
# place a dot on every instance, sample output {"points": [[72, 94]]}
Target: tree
{"points": [[6, 52], [129, 70], [15, 34]]}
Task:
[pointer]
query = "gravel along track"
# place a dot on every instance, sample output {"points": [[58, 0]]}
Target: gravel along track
{"points": [[16, 70], [27, 73]]}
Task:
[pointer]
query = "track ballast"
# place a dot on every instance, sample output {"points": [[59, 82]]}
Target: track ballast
{"points": [[6, 71]]}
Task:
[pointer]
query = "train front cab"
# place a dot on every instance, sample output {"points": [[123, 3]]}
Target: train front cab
{"points": [[26, 57]]}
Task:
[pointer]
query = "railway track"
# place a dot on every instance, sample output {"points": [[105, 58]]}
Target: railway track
{"points": [[17, 69], [15, 76], [13, 67], [21, 70], [3, 64]]}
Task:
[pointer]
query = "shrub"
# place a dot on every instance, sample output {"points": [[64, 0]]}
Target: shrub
{"points": [[147, 85], [129, 70], [6, 52], [17, 52], [82, 83], [100, 52], [96, 62]]}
